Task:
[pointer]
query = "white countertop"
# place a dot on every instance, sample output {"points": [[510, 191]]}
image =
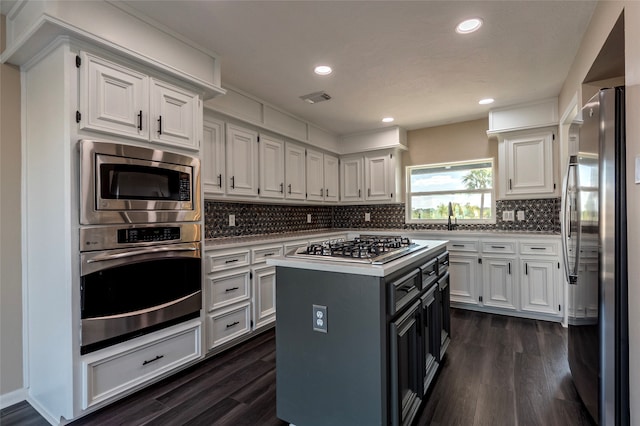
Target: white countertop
{"points": [[432, 246]]}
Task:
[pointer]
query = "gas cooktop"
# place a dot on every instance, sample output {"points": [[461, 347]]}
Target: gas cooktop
{"points": [[372, 249]]}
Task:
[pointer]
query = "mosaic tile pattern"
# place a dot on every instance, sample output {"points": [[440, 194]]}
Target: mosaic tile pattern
{"points": [[541, 215], [261, 218]]}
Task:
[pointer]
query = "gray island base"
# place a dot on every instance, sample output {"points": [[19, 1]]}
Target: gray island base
{"points": [[360, 349]]}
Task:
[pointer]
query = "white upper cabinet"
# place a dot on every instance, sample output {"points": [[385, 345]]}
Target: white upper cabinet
{"points": [[119, 100], [315, 175], [295, 172], [242, 161], [271, 167], [322, 176], [113, 98], [213, 157], [378, 172], [351, 178], [331, 178], [174, 115], [526, 166]]}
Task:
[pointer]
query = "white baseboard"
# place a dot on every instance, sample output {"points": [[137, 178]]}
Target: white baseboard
{"points": [[8, 399], [48, 417]]}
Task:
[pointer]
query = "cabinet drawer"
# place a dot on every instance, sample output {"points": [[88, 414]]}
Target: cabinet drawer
{"points": [[443, 263], [222, 261], [403, 291], [508, 247], [540, 248], [290, 247], [429, 273], [262, 254], [463, 245], [224, 290], [108, 374], [228, 324]]}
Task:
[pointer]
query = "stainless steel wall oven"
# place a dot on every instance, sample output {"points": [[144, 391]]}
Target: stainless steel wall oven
{"points": [[137, 279], [140, 241]]}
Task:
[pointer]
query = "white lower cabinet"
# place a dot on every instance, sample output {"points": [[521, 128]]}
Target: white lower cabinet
{"points": [[514, 277], [464, 282], [226, 324], [539, 285], [112, 371], [499, 289], [264, 296]]}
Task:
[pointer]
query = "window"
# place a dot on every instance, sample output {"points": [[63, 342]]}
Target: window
{"points": [[468, 186]]}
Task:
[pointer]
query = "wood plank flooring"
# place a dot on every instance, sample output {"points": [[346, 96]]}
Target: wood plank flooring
{"points": [[498, 371]]}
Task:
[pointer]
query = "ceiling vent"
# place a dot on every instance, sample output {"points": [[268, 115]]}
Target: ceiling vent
{"points": [[314, 98]]}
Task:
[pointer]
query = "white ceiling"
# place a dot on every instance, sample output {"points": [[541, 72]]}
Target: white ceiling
{"points": [[390, 58]]}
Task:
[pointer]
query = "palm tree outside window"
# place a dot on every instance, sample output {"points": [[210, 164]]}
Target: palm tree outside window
{"points": [[468, 186]]}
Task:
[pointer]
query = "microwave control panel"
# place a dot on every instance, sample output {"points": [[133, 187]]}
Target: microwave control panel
{"points": [[140, 235]]}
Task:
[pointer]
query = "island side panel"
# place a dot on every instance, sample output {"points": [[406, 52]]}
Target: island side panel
{"points": [[338, 377]]}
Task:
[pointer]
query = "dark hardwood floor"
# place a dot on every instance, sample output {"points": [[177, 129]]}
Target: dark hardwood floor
{"points": [[498, 371]]}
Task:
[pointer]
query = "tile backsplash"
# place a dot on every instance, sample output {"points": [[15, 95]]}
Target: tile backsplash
{"points": [[540, 215]]}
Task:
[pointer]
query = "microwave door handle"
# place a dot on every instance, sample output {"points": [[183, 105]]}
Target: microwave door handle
{"points": [[131, 253]]}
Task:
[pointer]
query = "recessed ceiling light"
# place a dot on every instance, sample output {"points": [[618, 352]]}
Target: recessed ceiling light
{"points": [[323, 70], [387, 120], [469, 26], [486, 101]]}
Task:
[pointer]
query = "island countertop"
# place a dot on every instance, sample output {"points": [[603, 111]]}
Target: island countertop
{"points": [[432, 246]]}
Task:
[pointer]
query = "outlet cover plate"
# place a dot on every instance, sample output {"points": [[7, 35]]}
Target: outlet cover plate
{"points": [[308, 217], [367, 217], [232, 220], [320, 318]]}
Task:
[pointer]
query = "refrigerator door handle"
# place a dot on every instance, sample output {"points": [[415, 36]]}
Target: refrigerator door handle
{"points": [[571, 275]]}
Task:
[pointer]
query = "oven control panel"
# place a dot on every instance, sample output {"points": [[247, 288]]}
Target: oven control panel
{"points": [[139, 235]]}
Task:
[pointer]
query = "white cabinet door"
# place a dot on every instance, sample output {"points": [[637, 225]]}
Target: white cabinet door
{"points": [[242, 161], [351, 177], [538, 281], [331, 178], [498, 283], [377, 177], [174, 115], [264, 296], [463, 271], [315, 175], [113, 98], [213, 156], [528, 158], [271, 167], [295, 174]]}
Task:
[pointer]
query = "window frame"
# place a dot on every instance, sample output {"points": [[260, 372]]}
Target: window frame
{"points": [[409, 194]]}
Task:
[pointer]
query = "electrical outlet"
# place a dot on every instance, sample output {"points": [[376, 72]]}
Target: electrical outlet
{"points": [[232, 220], [308, 217], [367, 217], [520, 215], [320, 318], [507, 215]]}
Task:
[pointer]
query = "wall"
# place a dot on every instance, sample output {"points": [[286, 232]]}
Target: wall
{"points": [[10, 249], [602, 22]]}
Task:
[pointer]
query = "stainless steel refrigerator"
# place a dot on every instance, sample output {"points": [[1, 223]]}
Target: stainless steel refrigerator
{"points": [[594, 235]]}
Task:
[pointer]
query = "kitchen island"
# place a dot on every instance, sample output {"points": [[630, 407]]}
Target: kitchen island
{"points": [[359, 343]]}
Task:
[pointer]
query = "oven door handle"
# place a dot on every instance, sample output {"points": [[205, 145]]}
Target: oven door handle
{"points": [[131, 253]]}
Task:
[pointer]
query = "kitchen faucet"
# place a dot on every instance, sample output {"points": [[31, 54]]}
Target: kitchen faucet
{"points": [[451, 226]]}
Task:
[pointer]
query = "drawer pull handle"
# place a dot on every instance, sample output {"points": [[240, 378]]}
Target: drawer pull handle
{"points": [[538, 248], [160, 125], [140, 120], [231, 289], [407, 289], [268, 254], [153, 360], [230, 260], [233, 324], [220, 180], [444, 262], [431, 273], [498, 247], [457, 245]]}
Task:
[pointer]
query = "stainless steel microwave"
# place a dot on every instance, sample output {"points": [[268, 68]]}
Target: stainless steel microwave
{"points": [[130, 184]]}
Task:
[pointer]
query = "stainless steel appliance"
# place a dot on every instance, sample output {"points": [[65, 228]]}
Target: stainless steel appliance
{"points": [[595, 249], [129, 184], [136, 279], [372, 249]]}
